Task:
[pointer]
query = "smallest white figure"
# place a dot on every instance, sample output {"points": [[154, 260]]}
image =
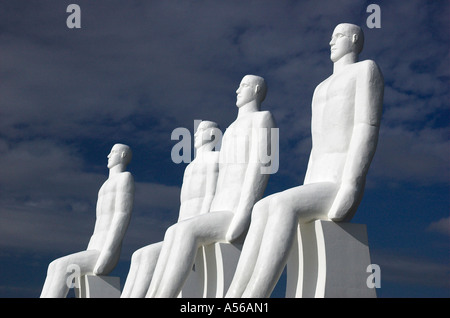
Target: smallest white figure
{"points": [[113, 213], [197, 192]]}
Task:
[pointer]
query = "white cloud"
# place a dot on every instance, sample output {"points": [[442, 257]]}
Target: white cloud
{"points": [[441, 226]]}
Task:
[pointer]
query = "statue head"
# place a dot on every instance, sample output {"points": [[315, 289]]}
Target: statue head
{"points": [[346, 39], [120, 154], [251, 88], [206, 133]]}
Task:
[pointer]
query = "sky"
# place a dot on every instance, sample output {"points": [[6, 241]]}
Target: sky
{"points": [[137, 70]]}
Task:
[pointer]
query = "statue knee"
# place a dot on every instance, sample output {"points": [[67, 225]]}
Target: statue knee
{"points": [[259, 211], [276, 205], [51, 268], [135, 257], [259, 206], [57, 266], [179, 232], [183, 230], [174, 232], [170, 232], [262, 206], [54, 265]]}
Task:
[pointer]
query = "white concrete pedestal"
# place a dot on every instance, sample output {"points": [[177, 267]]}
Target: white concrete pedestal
{"points": [[329, 259], [213, 271], [225, 259], [194, 287], [92, 286]]}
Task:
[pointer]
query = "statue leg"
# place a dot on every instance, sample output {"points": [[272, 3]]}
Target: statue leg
{"points": [[163, 259], [304, 203], [143, 262], [59, 271], [185, 239], [250, 250], [132, 273]]}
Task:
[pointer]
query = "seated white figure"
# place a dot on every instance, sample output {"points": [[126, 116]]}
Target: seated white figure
{"points": [[113, 212], [197, 192], [241, 183], [346, 114]]}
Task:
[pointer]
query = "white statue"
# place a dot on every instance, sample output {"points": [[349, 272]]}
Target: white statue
{"points": [[240, 185], [346, 113], [197, 192], [113, 212]]}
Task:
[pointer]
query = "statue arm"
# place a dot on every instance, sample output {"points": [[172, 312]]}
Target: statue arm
{"points": [[368, 109], [211, 183], [254, 182], [310, 165], [306, 180], [119, 224]]}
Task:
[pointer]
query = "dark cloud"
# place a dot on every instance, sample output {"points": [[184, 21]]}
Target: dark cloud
{"points": [[412, 271]]}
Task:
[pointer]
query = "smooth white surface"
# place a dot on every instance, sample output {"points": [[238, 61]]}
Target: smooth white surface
{"points": [[195, 287], [113, 213], [240, 184], [346, 113], [330, 260], [92, 286], [197, 192]]}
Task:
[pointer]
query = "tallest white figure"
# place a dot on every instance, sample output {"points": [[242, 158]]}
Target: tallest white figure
{"points": [[346, 114]]}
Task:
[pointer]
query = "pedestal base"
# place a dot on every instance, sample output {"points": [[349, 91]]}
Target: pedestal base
{"points": [[329, 259], [213, 271], [91, 286]]}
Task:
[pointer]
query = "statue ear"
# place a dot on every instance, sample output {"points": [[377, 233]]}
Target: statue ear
{"points": [[257, 89], [354, 38], [211, 134]]}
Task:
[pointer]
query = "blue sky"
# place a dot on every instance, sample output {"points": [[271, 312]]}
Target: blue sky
{"points": [[136, 70]]}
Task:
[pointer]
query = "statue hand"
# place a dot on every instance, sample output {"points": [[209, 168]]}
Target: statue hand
{"points": [[345, 200], [237, 226], [99, 269], [103, 265]]}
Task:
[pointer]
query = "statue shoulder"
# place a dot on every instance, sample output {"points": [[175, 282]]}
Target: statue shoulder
{"points": [[210, 157], [126, 176], [264, 119], [369, 68], [215, 155], [125, 181]]}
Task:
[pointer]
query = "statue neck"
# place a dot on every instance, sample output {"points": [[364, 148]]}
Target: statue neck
{"points": [[347, 59], [116, 170], [205, 148], [248, 108]]}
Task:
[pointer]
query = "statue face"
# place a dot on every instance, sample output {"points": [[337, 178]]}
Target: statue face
{"points": [[246, 92], [342, 42], [202, 136], [115, 157]]}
